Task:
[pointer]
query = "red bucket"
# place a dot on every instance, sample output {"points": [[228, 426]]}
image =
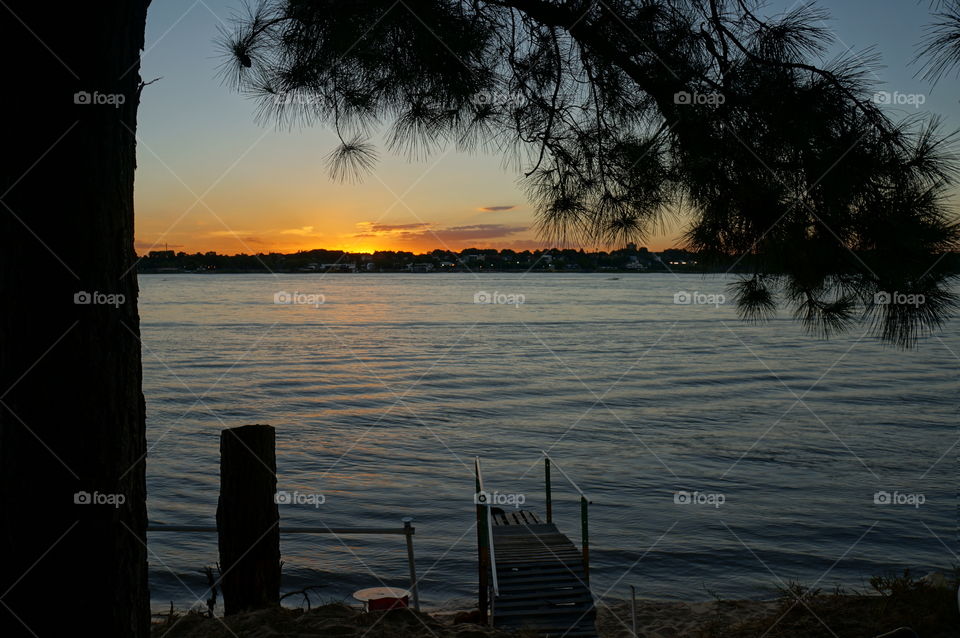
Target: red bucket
{"points": [[383, 604], [383, 598]]}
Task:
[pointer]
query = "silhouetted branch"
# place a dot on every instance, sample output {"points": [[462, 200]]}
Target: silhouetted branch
{"points": [[303, 592], [621, 113]]}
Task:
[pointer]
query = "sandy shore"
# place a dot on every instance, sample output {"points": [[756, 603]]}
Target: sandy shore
{"points": [[655, 619], [667, 619], [328, 621], [931, 611]]}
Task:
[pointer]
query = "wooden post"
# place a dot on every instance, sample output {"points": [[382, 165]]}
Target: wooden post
{"points": [[585, 538], [248, 521], [546, 477], [408, 531]]}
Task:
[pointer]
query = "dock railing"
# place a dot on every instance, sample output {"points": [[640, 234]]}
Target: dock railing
{"points": [[407, 531], [548, 464], [488, 586]]}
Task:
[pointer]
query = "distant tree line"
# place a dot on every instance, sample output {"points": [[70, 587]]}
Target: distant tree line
{"points": [[630, 258]]}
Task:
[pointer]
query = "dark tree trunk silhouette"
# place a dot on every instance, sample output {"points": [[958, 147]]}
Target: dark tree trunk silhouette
{"points": [[72, 429]]}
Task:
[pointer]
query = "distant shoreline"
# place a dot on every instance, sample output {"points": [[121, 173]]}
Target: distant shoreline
{"points": [[675, 271]]}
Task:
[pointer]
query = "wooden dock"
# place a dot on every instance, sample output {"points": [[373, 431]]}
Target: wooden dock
{"points": [[542, 584], [538, 579]]}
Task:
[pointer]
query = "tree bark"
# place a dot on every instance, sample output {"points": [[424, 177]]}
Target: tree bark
{"points": [[248, 520], [72, 425]]}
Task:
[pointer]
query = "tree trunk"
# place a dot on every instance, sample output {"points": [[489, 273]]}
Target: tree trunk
{"points": [[72, 429], [248, 520]]}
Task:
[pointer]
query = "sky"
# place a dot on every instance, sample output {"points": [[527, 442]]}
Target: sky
{"points": [[211, 177]]}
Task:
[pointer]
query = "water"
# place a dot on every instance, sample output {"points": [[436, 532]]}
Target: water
{"points": [[383, 394]]}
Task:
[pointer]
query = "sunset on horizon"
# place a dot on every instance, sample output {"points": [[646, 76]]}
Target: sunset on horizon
{"points": [[215, 177]]}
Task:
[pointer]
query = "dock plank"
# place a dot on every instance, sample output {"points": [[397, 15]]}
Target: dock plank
{"points": [[541, 578]]}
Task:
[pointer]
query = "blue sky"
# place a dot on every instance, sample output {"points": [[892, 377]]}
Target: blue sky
{"points": [[211, 178]]}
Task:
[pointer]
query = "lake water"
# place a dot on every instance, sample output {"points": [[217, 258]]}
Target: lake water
{"points": [[383, 394]]}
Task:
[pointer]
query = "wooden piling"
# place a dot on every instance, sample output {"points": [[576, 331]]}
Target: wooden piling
{"points": [[248, 521]]}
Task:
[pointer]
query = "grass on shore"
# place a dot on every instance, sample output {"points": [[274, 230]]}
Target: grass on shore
{"points": [[928, 609], [331, 620]]}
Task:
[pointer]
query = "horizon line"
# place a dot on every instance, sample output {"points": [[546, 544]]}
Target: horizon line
{"points": [[425, 253]]}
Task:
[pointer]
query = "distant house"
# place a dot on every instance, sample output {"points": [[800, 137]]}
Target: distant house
{"points": [[447, 265], [421, 267], [337, 267]]}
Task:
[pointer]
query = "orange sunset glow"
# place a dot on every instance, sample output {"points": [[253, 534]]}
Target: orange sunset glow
{"points": [[240, 216], [223, 182]]}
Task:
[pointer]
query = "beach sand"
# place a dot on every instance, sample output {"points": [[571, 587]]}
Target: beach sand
{"points": [[656, 619], [929, 610], [668, 619]]}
